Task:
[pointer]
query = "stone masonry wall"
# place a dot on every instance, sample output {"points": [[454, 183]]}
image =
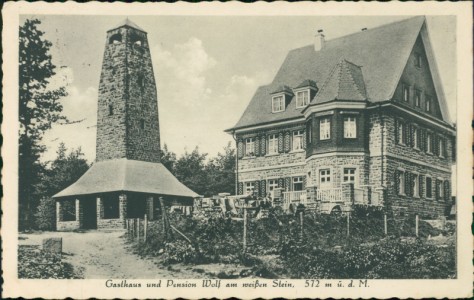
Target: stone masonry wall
{"points": [[127, 117], [400, 157], [337, 163]]}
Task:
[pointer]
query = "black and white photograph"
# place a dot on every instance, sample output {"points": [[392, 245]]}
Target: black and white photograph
{"points": [[275, 154]]}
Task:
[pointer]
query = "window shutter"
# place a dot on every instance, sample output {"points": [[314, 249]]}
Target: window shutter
{"points": [[280, 142], [437, 189], [397, 182], [240, 188], [288, 183], [304, 140], [304, 182], [406, 134], [240, 148], [263, 188], [256, 188], [447, 193], [287, 142], [412, 135], [397, 137], [263, 145], [257, 146], [421, 183], [422, 140], [281, 183], [407, 183]]}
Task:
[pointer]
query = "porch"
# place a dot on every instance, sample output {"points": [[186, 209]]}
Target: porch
{"points": [[329, 200]]}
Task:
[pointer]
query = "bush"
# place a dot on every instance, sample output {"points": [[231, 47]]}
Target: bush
{"points": [[45, 217]]}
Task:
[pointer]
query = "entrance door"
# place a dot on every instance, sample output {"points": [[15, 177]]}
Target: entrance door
{"points": [[89, 213]]}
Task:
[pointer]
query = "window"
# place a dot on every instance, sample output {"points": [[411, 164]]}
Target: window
{"points": [[302, 99], [298, 140], [429, 187], [249, 146], [297, 183], [350, 129], [278, 104], [428, 104], [428, 143], [325, 129], [415, 138], [249, 187], [440, 189], [406, 93], [401, 133], [416, 187], [272, 144], [418, 98], [418, 60], [349, 175], [308, 132], [272, 184], [111, 110], [441, 147], [324, 178], [142, 124], [401, 183]]}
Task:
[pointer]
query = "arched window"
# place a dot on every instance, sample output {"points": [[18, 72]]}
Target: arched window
{"points": [[136, 40], [115, 39], [111, 109]]}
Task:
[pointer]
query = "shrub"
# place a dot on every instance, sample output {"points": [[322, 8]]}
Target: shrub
{"points": [[45, 217]]}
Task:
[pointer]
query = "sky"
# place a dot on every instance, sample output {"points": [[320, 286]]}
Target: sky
{"points": [[207, 68]]}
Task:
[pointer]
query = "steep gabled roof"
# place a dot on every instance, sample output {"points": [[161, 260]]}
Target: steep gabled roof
{"points": [[381, 52], [127, 175], [128, 23], [344, 83]]}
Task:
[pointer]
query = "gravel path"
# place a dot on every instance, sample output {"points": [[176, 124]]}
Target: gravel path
{"points": [[104, 255]]}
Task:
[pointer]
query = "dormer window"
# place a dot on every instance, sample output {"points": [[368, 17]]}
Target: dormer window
{"points": [[406, 93], [428, 104], [302, 99], [278, 103]]}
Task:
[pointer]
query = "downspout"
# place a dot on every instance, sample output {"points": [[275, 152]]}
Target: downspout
{"points": [[381, 145], [236, 164]]}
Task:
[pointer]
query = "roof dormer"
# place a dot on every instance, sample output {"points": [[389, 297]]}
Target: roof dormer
{"points": [[281, 98], [304, 92]]}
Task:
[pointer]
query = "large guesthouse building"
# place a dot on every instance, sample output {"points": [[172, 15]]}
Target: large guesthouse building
{"points": [[357, 119]]}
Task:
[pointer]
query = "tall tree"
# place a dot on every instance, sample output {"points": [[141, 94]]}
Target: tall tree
{"points": [[168, 158], [221, 172], [190, 170], [39, 108], [62, 172]]}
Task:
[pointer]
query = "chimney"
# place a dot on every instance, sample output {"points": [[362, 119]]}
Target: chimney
{"points": [[319, 40]]}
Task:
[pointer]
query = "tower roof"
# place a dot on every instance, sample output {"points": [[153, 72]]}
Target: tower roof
{"points": [[128, 23], [344, 83]]}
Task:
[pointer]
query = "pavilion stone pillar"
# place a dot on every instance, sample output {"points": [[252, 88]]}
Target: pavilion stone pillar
{"points": [[79, 214], [149, 207], [59, 211], [100, 208], [123, 208]]}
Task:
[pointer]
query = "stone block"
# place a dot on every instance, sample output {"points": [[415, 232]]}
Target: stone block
{"points": [[53, 245]]}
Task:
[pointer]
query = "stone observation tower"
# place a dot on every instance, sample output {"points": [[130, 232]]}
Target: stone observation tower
{"points": [[127, 177]]}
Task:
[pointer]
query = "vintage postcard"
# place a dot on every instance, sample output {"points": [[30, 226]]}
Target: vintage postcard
{"points": [[237, 150]]}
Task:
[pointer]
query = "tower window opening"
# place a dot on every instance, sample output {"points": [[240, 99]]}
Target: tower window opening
{"points": [[141, 82], [115, 39], [111, 110], [136, 40], [142, 124]]}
